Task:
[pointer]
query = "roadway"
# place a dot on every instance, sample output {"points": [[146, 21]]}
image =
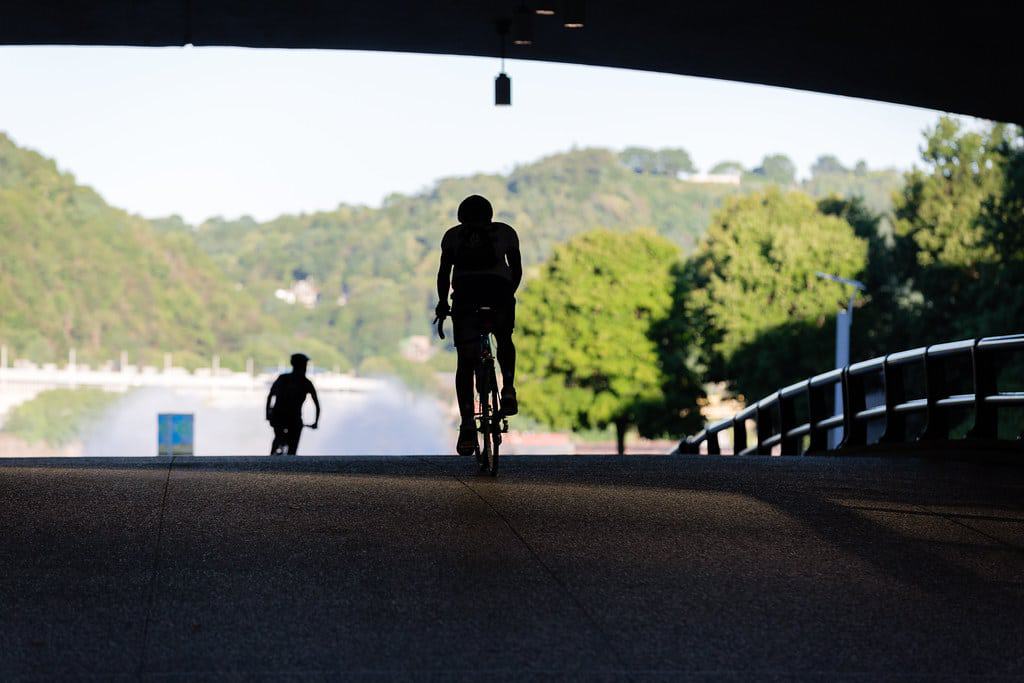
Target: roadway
{"points": [[576, 568]]}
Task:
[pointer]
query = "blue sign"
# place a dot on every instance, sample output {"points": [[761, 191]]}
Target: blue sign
{"points": [[174, 434]]}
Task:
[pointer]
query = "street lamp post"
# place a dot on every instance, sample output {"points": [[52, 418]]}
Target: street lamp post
{"points": [[844, 321]]}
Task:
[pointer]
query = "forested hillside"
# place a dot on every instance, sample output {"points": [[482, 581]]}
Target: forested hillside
{"points": [[78, 273], [374, 268]]}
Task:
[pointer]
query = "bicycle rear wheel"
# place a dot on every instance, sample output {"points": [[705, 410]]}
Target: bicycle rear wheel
{"points": [[489, 453], [493, 431]]}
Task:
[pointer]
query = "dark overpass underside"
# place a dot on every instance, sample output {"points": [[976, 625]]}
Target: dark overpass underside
{"points": [[962, 60]]}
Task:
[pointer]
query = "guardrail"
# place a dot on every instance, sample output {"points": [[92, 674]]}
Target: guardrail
{"points": [[876, 407]]}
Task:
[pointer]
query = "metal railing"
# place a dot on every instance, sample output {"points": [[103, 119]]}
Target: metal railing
{"points": [[876, 406]]}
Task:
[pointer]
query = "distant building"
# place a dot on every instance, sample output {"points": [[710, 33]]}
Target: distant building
{"points": [[302, 292], [712, 178]]}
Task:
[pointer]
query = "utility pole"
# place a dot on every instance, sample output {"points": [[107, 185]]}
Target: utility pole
{"points": [[844, 322]]}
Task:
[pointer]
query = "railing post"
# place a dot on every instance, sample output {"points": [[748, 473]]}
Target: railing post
{"points": [[739, 435], [895, 394], [787, 421], [763, 420], [855, 432], [817, 410], [714, 448], [984, 370], [936, 423]]}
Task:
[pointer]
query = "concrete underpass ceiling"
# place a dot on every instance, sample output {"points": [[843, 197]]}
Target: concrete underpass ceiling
{"points": [[962, 59]]}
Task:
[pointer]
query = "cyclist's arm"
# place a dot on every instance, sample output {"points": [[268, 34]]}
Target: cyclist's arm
{"points": [[444, 277], [316, 402], [270, 396], [515, 264]]}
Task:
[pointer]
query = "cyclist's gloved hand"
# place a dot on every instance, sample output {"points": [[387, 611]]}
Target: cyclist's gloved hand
{"points": [[442, 310]]}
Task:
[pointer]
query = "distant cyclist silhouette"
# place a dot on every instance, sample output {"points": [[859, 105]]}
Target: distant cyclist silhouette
{"points": [[284, 406], [481, 264]]}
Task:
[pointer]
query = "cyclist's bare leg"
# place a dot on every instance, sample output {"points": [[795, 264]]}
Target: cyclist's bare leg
{"points": [[506, 353], [294, 432], [464, 380], [464, 371]]}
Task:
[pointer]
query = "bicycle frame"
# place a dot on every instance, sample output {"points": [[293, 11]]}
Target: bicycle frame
{"points": [[491, 422]]}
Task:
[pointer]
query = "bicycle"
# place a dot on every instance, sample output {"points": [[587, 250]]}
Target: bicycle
{"points": [[280, 444], [491, 422]]}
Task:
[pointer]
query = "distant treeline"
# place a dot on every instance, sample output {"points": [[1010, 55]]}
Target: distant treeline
{"points": [[78, 273]]}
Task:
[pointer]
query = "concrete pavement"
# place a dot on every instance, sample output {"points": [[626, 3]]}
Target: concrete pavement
{"points": [[586, 567]]}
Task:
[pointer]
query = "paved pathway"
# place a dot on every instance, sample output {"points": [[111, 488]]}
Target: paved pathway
{"points": [[587, 567]]}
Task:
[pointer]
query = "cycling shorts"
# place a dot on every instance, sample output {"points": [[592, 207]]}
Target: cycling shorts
{"points": [[468, 325]]}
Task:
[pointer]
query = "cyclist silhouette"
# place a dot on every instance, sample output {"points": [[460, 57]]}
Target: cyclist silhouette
{"points": [[284, 406], [482, 266]]}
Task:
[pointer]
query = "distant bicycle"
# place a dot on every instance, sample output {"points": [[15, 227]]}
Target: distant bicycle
{"points": [[280, 445], [491, 422]]}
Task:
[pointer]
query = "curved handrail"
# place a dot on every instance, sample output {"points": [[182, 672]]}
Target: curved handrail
{"points": [[774, 415]]}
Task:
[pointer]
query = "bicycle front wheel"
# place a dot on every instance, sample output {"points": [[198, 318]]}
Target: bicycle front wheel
{"points": [[492, 441]]}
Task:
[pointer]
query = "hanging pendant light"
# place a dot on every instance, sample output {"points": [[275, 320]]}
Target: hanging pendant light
{"points": [[522, 26], [502, 90], [575, 13], [502, 84]]}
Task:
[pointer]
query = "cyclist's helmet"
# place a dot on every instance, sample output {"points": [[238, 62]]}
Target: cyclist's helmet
{"points": [[475, 210]]}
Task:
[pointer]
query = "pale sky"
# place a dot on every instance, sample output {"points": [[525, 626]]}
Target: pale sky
{"points": [[230, 131]]}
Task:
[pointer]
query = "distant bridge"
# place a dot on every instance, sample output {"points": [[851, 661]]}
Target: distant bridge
{"points": [[24, 381]]}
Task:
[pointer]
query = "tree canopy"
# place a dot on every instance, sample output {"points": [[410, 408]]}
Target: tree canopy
{"points": [[959, 223], [754, 293], [669, 161], [596, 341], [827, 163], [777, 168], [727, 167]]}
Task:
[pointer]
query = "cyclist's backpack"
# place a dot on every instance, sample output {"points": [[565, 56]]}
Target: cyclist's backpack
{"points": [[476, 251]]}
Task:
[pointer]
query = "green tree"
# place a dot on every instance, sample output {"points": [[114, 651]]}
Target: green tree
{"points": [[727, 167], [675, 161], [889, 318], [962, 215], [827, 163], [941, 205], [669, 161], [764, 315], [777, 168], [596, 347], [640, 159]]}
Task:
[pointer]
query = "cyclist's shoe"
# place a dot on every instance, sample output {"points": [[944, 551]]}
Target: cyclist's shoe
{"points": [[509, 404], [467, 443]]}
